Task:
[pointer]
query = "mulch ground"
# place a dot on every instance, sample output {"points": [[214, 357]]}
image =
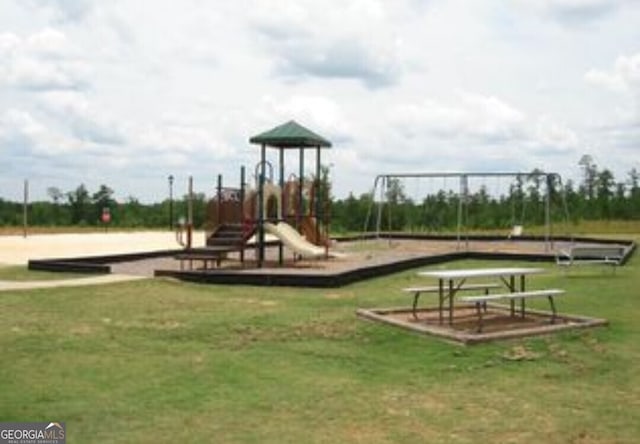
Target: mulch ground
{"points": [[355, 255]]}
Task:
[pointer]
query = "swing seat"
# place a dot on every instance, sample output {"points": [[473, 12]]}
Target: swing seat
{"points": [[516, 231]]}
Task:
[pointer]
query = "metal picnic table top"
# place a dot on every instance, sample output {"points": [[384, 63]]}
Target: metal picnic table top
{"points": [[457, 277], [465, 273]]}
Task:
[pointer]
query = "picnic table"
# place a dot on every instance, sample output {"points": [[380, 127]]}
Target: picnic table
{"points": [[452, 281]]}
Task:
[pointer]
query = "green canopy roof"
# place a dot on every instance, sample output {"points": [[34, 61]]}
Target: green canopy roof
{"points": [[290, 135]]}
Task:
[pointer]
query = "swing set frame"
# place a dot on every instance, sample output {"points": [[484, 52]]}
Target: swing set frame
{"points": [[381, 183]]}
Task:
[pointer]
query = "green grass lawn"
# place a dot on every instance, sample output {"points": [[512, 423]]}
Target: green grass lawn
{"points": [[162, 362], [22, 273]]}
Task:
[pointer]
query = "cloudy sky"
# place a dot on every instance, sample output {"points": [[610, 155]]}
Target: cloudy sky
{"points": [[126, 92]]}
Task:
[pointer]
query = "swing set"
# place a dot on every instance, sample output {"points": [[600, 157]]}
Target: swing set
{"points": [[382, 183]]}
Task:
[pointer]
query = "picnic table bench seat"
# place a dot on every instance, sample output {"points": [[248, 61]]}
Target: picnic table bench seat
{"points": [[417, 291], [481, 300]]}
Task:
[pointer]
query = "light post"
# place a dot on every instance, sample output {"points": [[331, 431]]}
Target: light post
{"points": [[171, 202]]}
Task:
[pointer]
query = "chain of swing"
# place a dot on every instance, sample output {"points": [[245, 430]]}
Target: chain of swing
{"points": [[429, 205]]}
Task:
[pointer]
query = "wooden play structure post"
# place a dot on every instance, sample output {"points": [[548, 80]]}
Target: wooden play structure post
{"points": [[219, 203], [282, 215], [242, 194], [300, 191], [318, 195], [260, 245]]}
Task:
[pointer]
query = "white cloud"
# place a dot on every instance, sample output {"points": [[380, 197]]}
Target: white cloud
{"points": [[179, 139], [21, 134], [617, 131], [77, 112], [474, 132], [625, 76], [34, 74], [64, 10], [110, 91], [347, 40], [41, 61], [134, 141], [553, 135], [485, 118], [9, 42], [607, 80], [48, 43], [575, 11], [323, 114]]}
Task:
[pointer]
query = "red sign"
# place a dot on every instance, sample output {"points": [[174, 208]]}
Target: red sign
{"points": [[106, 215]]}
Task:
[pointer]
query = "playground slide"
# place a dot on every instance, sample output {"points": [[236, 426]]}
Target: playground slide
{"points": [[290, 237]]}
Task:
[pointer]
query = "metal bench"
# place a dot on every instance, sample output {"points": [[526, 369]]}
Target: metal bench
{"points": [[480, 301], [417, 291], [605, 254]]}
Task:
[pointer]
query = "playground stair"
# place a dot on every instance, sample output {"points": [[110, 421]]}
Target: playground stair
{"points": [[229, 235]]}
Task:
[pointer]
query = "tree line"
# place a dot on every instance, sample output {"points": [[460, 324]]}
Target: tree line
{"points": [[597, 196], [80, 207]]}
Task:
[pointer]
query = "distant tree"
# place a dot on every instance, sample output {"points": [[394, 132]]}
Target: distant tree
{"points": [[102, 199], [619, 207], [349, 214], [634, 193], [395, 191], [634, 181], [323, 193], [535, 197], [55, 194], [199, 209], [339, 219], [589, 173], [324, 184], [478, 208], [604, 184], [50, 215], [396, 216], [440, 210], [131, 213], [80, 205]]}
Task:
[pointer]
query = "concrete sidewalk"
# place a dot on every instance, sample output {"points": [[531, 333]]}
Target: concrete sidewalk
{"points": [[78, 282]]}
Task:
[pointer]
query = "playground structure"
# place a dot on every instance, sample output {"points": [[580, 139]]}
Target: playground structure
{"points": [[277, 211], [295, 211], [551, 180]]}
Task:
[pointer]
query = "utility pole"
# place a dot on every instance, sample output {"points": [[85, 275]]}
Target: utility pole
{"points": [[24, 208], [190, 214], [171, 202]]}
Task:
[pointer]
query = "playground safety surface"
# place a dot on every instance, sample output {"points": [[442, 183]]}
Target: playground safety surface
{"points": [[361, 259], [19, 250]]}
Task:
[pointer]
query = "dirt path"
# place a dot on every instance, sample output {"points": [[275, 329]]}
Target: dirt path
{"points": [[79, 282]]}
